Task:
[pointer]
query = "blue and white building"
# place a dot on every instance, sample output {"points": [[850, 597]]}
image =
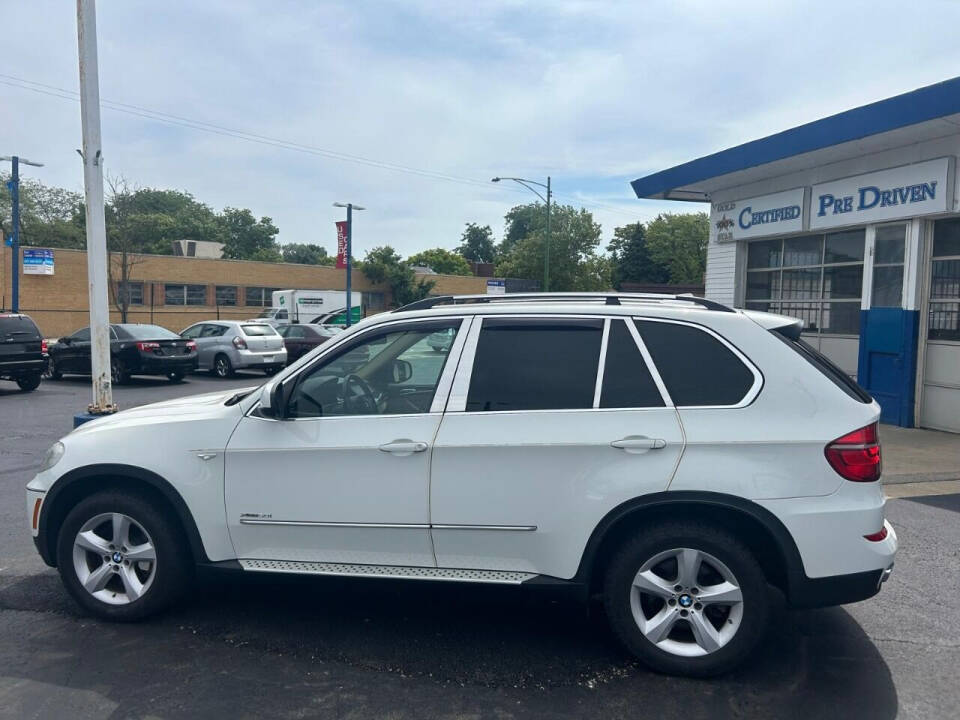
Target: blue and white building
{"points": [[851, 223]]}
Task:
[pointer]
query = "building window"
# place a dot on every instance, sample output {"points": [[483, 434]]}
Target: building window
{"points": [[132, 293], [374, 302], [943, 322], [888, 251], [817, 278], [184, 294], [226, 295], [259, 296]]}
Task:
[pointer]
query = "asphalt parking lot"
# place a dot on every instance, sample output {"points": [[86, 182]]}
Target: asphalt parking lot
{"points": [[272, 647]]}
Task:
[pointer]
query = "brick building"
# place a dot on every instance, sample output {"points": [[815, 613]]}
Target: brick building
{"points": [[176, 291]]}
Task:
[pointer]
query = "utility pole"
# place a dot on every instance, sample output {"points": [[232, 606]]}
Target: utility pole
{"points": [[96, 228], [15, 218], [350, 208]]}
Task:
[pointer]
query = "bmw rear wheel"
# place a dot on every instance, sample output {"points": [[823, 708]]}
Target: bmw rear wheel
{"points": [[687, 599]]}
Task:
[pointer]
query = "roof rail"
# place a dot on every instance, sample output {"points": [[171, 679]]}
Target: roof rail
{"points": [[607, 299]]}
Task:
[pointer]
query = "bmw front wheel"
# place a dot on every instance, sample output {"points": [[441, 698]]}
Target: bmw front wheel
{"points": [[120, 557]]}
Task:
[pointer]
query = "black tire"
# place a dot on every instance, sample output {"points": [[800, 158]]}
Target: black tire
{"points": [[175, 377], [173, 569], [646, 545], [119, 375], [29, 383], [222, 367], [54, 371]]}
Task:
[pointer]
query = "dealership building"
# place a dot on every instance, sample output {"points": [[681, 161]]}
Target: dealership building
{"points": [[851, 223]]}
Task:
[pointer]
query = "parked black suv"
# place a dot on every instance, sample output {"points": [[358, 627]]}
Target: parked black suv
{"points": [[134, 350], [21, 351]]}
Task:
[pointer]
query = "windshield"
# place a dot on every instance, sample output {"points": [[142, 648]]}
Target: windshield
{"points": [[268, 313], [146, 332], [258, 330], [17, 326]]}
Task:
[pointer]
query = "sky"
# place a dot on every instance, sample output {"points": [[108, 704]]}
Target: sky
{"points": [[409, 108]]}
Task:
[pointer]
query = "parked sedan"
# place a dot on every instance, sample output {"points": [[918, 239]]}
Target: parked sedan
{"points": [[134, 350], [301, 339], [226, 346]]}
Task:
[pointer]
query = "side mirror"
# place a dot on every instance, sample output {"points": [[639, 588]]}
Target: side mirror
{"points": [[402, 371], [273, 401]]}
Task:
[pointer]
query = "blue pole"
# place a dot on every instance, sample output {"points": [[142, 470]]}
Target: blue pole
{"points": [[15, 213], [349, 250]]}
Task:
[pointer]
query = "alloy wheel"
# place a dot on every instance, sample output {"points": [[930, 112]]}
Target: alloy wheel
{"points": [[686, 602], [114, 558]]}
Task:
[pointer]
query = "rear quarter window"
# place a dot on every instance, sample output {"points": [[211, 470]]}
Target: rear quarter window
{"points": [[697, 368], [832, 372]]}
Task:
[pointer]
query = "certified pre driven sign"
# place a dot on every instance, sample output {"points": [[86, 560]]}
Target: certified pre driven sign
{"points": [[901, 192], [774, 214]]}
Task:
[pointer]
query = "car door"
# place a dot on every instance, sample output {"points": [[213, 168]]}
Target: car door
{"points": [[344, 477], [194, 332], [293, 340], [76, 355], [551, 423]]}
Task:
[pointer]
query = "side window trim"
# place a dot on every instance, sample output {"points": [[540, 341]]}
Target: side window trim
{"points": [[598, 388], [648, 359], [442, 395], [457, 401], [750, 395]]}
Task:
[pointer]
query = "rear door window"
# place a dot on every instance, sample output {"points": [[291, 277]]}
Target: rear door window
{"points": [[535, 364], [697, 368], [627, 382]]}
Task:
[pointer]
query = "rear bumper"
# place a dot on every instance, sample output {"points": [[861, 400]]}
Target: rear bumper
{"points": [[248, 359], [837, 590], [160, 365], [18, 368]]}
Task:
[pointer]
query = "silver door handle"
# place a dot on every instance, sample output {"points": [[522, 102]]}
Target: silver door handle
{"points": [[639, 443], [404, 447]]}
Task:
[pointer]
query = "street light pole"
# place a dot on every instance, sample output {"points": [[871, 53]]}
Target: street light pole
{"points": [[546, 254], [350, 208], [15, 218], [96, 228]]}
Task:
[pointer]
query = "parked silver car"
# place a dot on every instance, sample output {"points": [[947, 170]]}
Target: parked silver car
{"points": [[225, 346]]}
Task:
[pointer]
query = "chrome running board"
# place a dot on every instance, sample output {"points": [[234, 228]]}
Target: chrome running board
{"points": [[503, 577]]}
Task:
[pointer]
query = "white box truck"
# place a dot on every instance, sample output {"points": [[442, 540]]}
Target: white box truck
{"points": [[328, 307]]}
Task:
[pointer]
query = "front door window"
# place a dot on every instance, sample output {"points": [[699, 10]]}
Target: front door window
{"points": [[384, 372]]}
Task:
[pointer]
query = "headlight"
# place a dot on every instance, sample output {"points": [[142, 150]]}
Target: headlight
{"points": [[52, 456]]}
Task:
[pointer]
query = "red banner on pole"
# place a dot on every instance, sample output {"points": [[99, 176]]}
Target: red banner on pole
{"points": [[342, 244]]}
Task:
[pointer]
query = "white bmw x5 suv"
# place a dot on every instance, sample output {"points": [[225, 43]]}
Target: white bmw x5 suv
{"points": [[673, 456]]}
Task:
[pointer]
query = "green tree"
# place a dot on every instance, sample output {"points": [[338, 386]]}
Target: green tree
{"points": [[477, 244], [246, 238], [678, 242], [47, 214], [441, 261], [306, 254], [630, 257], [384, 265], [574, 237]]}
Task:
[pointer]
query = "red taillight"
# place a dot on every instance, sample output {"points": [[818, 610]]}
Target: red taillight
{"points": [[239, 343], [877, 536], [856, 455], [43, 346], [191, 345], [143, 346]]}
